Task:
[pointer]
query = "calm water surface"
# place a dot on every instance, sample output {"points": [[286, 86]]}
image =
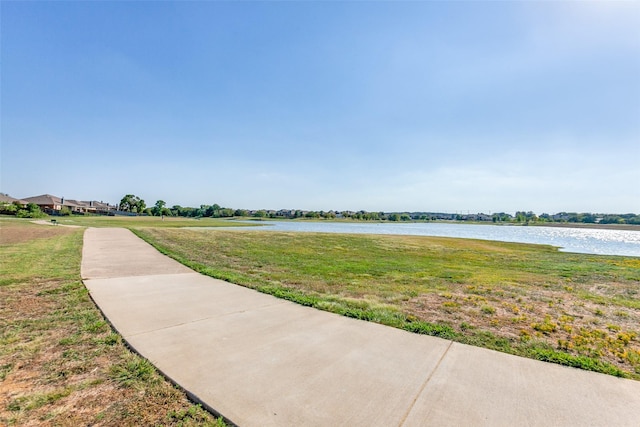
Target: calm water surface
{"points": [[581, 240]]}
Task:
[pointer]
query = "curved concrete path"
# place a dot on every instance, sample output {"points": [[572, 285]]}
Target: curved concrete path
{"points": [[262, 361]]}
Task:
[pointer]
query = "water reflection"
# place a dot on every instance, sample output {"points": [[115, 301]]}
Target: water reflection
{"points": [[581, 240]]}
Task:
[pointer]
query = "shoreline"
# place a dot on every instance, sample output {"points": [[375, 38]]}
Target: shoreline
{"points": [[625, 227]]}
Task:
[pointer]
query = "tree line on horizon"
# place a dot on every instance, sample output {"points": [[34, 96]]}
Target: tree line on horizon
{"points": [[134, 204]]}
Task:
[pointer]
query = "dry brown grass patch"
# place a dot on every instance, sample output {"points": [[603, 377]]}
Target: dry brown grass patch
{"points": [[21, 232]]}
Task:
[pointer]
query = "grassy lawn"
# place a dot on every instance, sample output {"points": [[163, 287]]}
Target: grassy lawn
{"points": [[60, 362], [573, 309], [143, 221]]}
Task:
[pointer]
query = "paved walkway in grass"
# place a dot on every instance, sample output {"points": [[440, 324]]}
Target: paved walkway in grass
{"points": [[262, 361], [50, 222]]}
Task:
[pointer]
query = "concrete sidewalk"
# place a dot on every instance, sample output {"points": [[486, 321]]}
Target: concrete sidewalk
{"points": [[262, 361]]}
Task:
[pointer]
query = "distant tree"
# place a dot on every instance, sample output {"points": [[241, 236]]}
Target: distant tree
{"points": [[635, 219], [612, 219], [522, 216], [188, 212], [159, 207], [132, 203], [501, 216], [212, 211], [201, 211], [573, 217], [225, 213], [372, 216]]}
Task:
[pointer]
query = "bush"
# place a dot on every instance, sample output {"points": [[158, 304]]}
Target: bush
{"points": [[31, 211], [8, 208]]}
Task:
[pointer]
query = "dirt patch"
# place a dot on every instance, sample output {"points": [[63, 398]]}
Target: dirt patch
{"points": [[13, 233]]}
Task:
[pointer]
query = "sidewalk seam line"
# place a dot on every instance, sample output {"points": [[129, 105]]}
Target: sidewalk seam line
{"points": [[140, 275], [202, 320], [424, 385]]}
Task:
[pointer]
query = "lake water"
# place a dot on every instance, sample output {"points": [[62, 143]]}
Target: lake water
{"points": [[581, 240]]}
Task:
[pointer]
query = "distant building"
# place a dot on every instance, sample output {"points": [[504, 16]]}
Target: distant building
{"points": [[47, 203], [53, 205], [101, 208]]}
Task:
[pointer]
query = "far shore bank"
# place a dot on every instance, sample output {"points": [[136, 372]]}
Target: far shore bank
{"points": [[628, 227]]}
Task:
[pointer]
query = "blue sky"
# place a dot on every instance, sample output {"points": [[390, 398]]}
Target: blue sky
{"points": [[419, 106]]}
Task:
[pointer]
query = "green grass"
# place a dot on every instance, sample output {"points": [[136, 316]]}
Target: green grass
{"points": [[146, 221], [60, 362], [514, 298]]}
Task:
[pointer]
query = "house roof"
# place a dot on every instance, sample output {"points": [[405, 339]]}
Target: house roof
{"points": [[44, 199], [49, 200], [97, 205], [75, 203], [8, 199]]}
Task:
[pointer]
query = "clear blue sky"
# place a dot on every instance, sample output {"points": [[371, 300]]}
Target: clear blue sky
{"points": [[419, 106]]}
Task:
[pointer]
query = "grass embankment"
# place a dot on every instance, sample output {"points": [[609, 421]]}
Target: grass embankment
{"points": [[573, 309], [60, 362]]}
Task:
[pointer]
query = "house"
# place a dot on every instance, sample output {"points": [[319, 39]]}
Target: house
{"points": [[48, 203], [287, 213], [100, 208], [53, 205], [77, 206]]}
